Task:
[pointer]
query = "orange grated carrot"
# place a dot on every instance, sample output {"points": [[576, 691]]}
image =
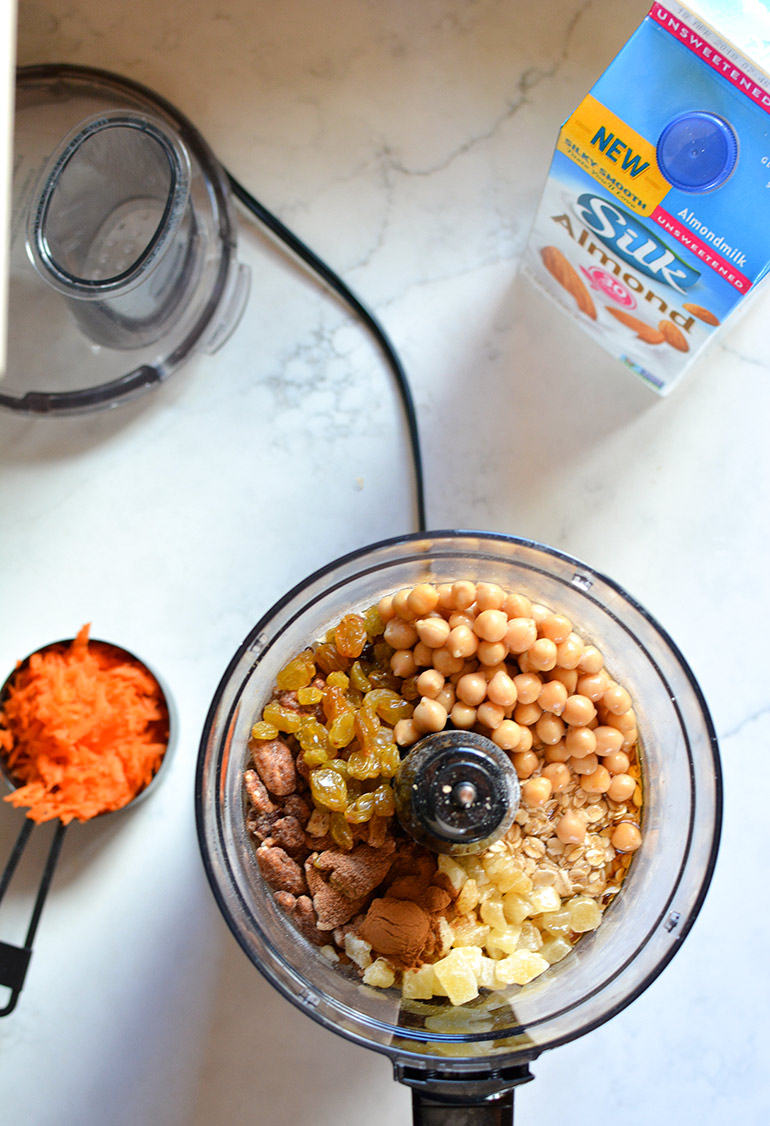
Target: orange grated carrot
{"points": [[84, 728]]}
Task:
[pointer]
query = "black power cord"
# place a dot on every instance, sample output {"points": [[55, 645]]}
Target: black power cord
{"points": [[319, 267]]}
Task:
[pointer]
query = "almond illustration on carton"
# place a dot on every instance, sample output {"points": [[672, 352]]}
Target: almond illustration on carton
{"points": [[646, 332], [568, 278], [674, 336], [702, 314]]}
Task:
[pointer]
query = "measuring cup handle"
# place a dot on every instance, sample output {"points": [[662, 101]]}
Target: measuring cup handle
{"points": [[15, 959]]}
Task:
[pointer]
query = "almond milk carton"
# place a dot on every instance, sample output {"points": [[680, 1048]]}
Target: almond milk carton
{"points": [[654, 225]]}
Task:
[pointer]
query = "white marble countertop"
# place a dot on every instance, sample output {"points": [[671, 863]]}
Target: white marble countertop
{"points": [[408, 145]]}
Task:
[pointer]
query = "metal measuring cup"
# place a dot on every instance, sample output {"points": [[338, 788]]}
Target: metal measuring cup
{"points": [[14, 960]]}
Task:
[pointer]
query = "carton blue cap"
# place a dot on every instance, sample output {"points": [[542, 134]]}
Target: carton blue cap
{"points": [[697, 151]]}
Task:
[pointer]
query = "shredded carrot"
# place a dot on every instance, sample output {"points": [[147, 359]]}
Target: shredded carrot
{"points": [[83, 728]]}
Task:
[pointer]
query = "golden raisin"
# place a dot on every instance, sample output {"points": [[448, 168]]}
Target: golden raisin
{"points": [[264, 730], [313, 738], [364, 763], [340, 831], [342, 730], [350, 636], [298, 673], [373, 621], [285, 719], [329, 659], [361, 809], [309, 696], [329, 788], [358, 677]]}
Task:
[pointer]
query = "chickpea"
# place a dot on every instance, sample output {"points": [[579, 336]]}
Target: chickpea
{"points": [[491, 671], [623, 723], [539, 613], [402, 663], [462, 618], [597, 782], [608, 740], [405, 732], [491, 652], [517, 606], [549, 728], [568, 653], [591, 660], [626, 837], [422, 599], [571, 828], [507, 735], [527, 714], [522, 660], [593, 686], [446, 697], [556, 753], [621, 787], [528, 687], [446, 662], [385, 608], [462, 642], [558, 775], [401, 604], [445, 597], [537, 791], [430, 683], [552, 697], [556, 627], [462, 716], [489, 596], [432, 632], [630, 738], [617, 762], [429, 716], [526, 741], [491, 625], [567, 677], [520, 634], [542, 655], [423, 655], [578, 711], [490, 714], [525, 763], [616, 699], [464, 594], [585, 765], [400, 634], [502, 690], [580, 741], [472, 689]]}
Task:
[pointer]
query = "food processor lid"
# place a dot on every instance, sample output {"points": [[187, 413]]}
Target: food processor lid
{"points": [[123, 256]]}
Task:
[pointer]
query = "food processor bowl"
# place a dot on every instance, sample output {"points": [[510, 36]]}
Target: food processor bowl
{"points": [[479, 1051]]}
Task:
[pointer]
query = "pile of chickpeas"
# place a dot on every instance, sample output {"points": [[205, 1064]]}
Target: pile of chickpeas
{"points": [[481, 658]]}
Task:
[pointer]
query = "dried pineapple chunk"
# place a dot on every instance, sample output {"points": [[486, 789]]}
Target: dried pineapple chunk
{"points": [[585, 914], [456, 873], [519, 968], [468, 931], [516, 908], [504, 942], [468, 897], [459, 973], [380, 974], [554, 949], [419, 984], [491, 912], [544, 899], [358, 950]]}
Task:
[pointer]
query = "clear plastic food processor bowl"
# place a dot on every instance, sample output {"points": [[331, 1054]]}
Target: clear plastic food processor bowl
{"points": [[485, 1045]]}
